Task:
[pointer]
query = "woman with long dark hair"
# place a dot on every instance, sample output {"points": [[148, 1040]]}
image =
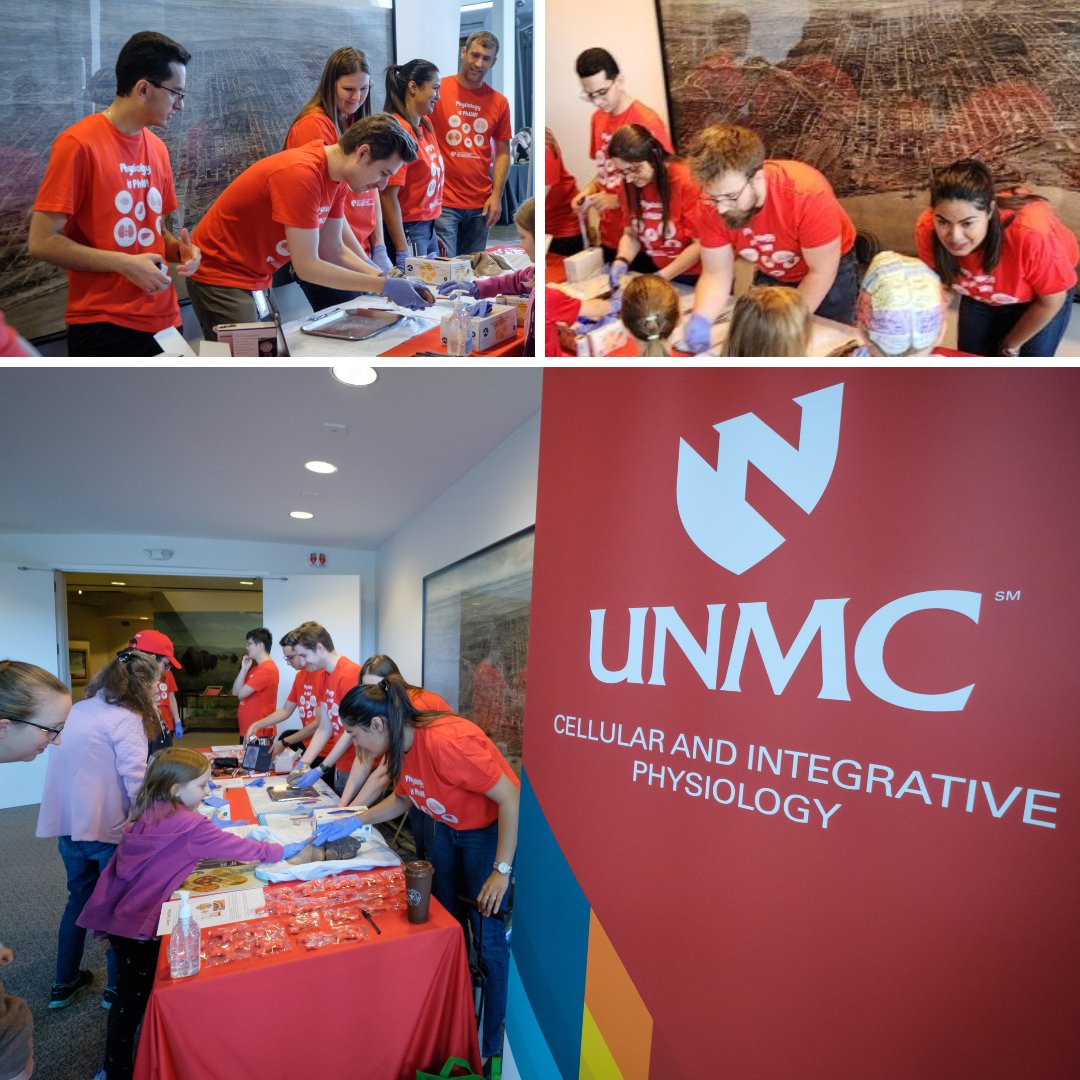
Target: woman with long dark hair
{"points": [[412, 199], [342, 97], [446, 766], [1007, 255], [661, 235], [91, 782]]}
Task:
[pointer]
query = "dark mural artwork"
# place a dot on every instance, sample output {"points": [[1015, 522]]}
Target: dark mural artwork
{"points": [[253, 66], [878, 94]]}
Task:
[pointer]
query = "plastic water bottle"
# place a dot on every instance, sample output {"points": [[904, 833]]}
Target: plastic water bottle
{"points": [[459, 331], [185, 942]]}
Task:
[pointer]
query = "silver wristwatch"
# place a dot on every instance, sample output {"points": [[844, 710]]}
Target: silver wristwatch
{"points": [[503, 867]]}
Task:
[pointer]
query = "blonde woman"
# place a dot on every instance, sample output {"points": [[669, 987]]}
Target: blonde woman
{"points": [[769, 320]]}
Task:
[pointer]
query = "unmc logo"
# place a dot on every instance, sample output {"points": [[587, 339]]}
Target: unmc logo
{"points": [[712, 502]]}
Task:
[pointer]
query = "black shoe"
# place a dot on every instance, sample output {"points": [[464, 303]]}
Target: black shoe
{"points": [[62, 996]]}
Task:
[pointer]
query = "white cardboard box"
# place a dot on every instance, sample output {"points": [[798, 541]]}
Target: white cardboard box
{"points": [[438, 271], [249, 339], [488, 330]]}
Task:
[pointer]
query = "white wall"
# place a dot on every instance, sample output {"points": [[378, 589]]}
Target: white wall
{"points": [[427, 30], [628, 30], [29, 632], [495, 500]]}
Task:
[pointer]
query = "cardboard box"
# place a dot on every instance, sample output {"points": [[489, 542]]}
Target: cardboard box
{"points": [[599, 341], [584, 264], [488, 330], [249, 338], [590, 288], [520, 303], [438, 271]]}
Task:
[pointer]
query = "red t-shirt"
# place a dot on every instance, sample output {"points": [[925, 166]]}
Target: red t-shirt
{"points": [[115, 190], [359, 205], [559, 219], [800, 212], [421, 182], [162, 690], [448, 769], [684, 209], [242, 236], [488, 696], [263, 679], [1038, 257], [604, 125], [338, 683], [427, 700], [468, 123], [305, 693]]}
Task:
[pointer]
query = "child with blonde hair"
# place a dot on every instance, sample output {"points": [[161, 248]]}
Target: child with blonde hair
{"points": [[769, 320], [650, 311]]}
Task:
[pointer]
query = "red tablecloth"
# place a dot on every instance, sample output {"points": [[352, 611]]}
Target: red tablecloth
{"points": [[429, 342]]}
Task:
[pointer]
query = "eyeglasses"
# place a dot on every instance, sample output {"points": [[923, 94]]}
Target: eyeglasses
{"points": [[631, 170], [596, 95], [729, 200], [54, 732], [177, 94]]}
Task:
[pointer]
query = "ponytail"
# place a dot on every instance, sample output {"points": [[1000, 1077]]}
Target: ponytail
{"points": [[128, 682]]}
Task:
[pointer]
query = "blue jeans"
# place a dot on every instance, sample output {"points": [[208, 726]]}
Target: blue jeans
{"points": [[843, 295], [463, 859], [418, 234], [84, 860], [982, 327], [462, 231]]}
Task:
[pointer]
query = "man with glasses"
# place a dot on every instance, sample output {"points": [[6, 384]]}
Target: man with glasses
{"points": [[781, 216], [102, 209], [256, 683], [602, 85], [472, 122]]}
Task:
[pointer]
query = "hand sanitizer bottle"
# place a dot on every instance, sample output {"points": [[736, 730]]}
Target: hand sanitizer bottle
{"points": [[185, 941], [459, 331]]}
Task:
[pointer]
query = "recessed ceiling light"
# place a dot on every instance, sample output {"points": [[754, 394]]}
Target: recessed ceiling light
{"points": [[354, 374], [247, 582], [300, 515], [117, 582], [320, 467]]}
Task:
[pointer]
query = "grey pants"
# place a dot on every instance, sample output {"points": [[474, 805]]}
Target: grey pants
{"points": [[216, 304]]}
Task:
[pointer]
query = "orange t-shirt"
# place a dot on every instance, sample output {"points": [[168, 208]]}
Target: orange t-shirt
{"points": [[338, 683], [421, 182], [559, 219], [684, 208], [604, 125], [800, 212], [242, 236], [162, 690], [427, 700], [468, 123], [115, 190], [448, 769], [359, 205], [305, 693], [263, 679]]}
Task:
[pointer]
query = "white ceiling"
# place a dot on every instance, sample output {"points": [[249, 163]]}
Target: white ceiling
{"points": [[219, 453]]}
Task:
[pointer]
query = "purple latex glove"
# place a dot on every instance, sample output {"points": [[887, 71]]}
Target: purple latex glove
{"points": [[295, 849], [479, 309], [399, 259], [329, 831], [405, 293], [698, 334], [215, 800], [259, 782], [211, 785], [309, 779], [381, 259], [467, 288], [617, 272]]}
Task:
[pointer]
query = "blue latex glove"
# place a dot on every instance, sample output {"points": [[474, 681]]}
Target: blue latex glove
{"points": [[404, 293], [479, 309], [381, 259], [329, 831], [225, 823], [215, 800], [433, 246], [260, 782], [179, 732], [616, 303], [617, 272], [295, 849], [309, 779], [399, 259], [698, 334], [211, 785], [468, 288]]}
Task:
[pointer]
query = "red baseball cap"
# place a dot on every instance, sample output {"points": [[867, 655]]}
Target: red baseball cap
{"points": [[154, 641]]}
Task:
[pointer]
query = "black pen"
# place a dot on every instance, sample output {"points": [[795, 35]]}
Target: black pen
{"points": [[367, 915]]}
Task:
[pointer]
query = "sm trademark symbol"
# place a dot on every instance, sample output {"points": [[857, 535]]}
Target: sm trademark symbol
{"points": [[1007, 594]]}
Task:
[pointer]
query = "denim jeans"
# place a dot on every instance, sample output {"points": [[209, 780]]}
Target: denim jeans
{"points": [[840, 300], [84, 860], [462, 231], [418, 234], [982, 327], [463, 860]]}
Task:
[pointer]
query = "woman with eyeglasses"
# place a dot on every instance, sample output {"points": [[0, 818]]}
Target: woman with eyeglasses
{"points": [[91, 782], [602, 86], [34, 705], [663, 207], [341, 98], [412, 198]]}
